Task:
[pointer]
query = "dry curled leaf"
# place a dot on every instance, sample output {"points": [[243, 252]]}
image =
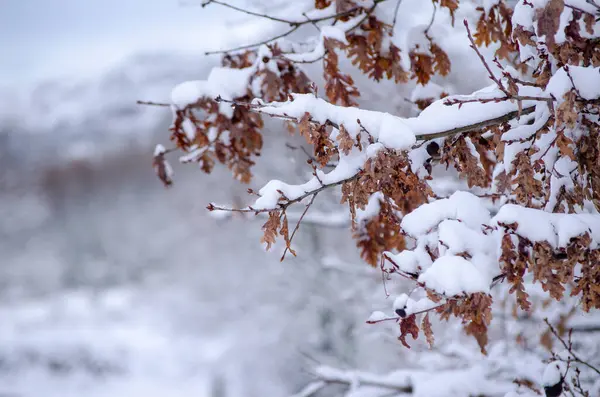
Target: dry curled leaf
{"points": [[426, 326], [408, 326], [548, 21], [270, 229], [163, 169]]}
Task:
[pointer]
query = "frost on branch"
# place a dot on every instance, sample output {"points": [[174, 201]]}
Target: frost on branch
{"points": [[525, 148]]}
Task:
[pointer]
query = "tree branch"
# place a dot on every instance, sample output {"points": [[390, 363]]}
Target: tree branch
{"points": [[487, 67], [294, 24], [420, 137], [150, 103], [568, 346], [287, 202], [476, 126]]}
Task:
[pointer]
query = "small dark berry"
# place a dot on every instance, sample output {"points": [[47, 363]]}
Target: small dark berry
{"points": [[561, 255], [553, 391], [401, 312], [433, 149]]}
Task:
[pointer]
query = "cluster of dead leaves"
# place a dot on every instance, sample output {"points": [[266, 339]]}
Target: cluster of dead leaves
{"points": [[317, 135], [378, 234], [242, 130], [339, 87], [365, 50], [409, 326], [243, 141], [473, 158], [277, 225], [474, 311], [553, 268], [426, 64], [388, 172], [495, 26]]}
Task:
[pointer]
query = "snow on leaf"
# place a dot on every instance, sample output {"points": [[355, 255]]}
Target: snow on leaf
{"points": [[408, 326], [454, 275]]}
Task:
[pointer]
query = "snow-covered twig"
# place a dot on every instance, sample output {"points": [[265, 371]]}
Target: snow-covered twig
{"points": [[419, 137], [286, 202]]}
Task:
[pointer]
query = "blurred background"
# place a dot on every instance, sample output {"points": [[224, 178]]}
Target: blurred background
{"points": [[109, 283]]}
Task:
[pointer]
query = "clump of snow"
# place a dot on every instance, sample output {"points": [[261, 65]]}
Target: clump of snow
{"points": [[400, 302], [454, 275], [408, 261], [159, 149], [462, 206], [553, 374], [457, 237], [225, 82], [586, 80], [371, 209], [321, 111], [428, 91], [376, 316], [327, 32], [395, 133], [488, 4], [557, 229]]}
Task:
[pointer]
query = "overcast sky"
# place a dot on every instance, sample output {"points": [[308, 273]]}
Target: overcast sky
{"points": [[41, 39]]}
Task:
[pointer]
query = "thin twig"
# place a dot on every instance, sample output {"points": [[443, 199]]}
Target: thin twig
{"points": [[284, 205], [305, 61], [581, 10], [287, 248], [568, 72], [244, 47], [457, 101], [150, 103], [593, 3], [294, 24], [311, 21], [492, 76], [569, 348], [308, 155], [408, 314], [396, 14], [256, 14], [483, 61], [431, 21]]}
